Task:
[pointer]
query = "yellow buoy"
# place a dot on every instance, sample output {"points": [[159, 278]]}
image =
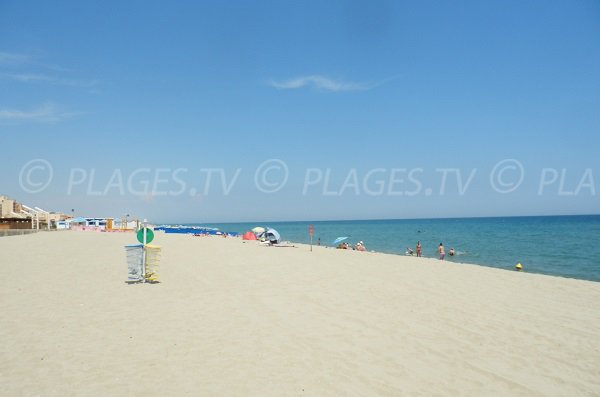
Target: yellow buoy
{"points": [[518, 266]]}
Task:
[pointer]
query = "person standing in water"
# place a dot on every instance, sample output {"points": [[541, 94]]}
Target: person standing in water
{"points": [[441, 251], [419, 248]]}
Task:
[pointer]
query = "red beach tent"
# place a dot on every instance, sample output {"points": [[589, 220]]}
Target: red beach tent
{"points": [[248, 236]]}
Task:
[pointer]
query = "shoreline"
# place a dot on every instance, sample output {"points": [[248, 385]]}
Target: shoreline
{"points": [[533, 241], [454, 262], [432, 260]]}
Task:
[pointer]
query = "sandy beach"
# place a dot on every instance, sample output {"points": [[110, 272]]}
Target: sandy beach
{"points": [[237, 319]]}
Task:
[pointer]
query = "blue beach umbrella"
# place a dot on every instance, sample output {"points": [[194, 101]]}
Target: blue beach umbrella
{"points": [[273, 236], [339, 240]]}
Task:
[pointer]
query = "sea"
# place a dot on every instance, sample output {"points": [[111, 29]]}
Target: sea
{"points": [[565, 246]]}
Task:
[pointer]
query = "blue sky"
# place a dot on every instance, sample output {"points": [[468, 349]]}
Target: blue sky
{"points": [[127, 107]]}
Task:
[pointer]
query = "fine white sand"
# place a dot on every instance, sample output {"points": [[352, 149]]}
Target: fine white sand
{"points": [[237, 319]]}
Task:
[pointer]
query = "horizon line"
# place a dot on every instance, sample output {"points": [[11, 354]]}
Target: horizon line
{"points": [[388, 219]]}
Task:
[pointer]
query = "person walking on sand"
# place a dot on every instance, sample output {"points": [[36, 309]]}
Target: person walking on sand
{"points": [[441, 251], [419, 248]]}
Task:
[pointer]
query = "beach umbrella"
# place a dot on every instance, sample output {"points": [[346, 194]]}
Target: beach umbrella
{"points": [[339, 240], [273, 236], [258, 230], [249, 236]]}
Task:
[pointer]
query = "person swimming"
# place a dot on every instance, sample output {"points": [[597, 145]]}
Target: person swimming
{"points": [[409, 251], [451, 252]]}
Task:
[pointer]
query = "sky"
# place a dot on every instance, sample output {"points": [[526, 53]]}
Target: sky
{"points": [[240, 111]]}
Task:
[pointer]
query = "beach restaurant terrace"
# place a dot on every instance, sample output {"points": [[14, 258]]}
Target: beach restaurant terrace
{"points": [[15, 223]]}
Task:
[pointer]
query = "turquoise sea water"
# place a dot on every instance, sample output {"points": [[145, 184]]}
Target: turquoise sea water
{"points": [[567, 246]]}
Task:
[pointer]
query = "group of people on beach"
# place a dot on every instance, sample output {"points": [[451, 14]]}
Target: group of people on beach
{"points": [[207, 234], [360, 246], [419, 251]]}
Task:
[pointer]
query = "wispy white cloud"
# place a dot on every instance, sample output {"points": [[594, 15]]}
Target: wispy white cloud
{"points": [[13, 58], [26, 68], [322, 83], [44, 78], [45, 113], [9, 59]]}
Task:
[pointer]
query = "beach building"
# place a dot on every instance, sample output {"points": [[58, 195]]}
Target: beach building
{"points": [[10, 208], [100, 224], [123, 224], [15, 215], [62, 225], [84, 224], [15, 223], [11, 216]]}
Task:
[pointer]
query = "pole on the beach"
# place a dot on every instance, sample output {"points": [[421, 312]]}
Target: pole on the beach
{"points": [[144, 251], [311, 231]]}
